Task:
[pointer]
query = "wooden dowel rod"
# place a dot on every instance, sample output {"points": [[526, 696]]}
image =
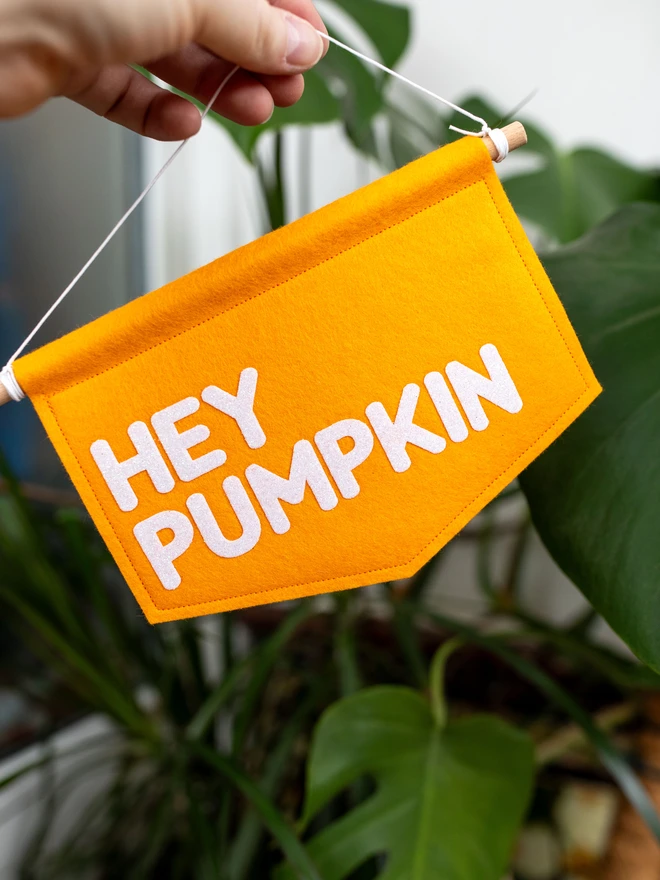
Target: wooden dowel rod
{"points": [[515, 134]]}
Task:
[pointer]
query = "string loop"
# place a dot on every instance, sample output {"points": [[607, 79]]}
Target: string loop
{"points": [[498, 137], [7, 377], [12, 387]]}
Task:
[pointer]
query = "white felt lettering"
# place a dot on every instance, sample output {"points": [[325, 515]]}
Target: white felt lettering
{"points": [[239, 407], [271, 489], [162, 556], [395, 436], [342, 464], [177, 443], [208, 525], [457, 394], [454, 423], [471, 386], [117, 473]]}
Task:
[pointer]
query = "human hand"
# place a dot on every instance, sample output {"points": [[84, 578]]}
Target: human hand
{"points": [[82, 49]]}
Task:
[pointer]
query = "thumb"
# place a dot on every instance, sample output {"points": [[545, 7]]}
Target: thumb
{"points": [[259, 37]]}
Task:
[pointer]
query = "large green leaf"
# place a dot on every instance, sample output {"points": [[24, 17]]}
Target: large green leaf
{"points": [[448, 800], [575, 191], [595, 494], [386, 24], [415, 126]]}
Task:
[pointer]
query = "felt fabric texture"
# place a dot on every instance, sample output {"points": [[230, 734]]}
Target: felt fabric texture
{"points": [[335, 312]]}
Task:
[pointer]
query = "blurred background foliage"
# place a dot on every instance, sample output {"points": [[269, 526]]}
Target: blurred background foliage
{"points": [[366, 735]]}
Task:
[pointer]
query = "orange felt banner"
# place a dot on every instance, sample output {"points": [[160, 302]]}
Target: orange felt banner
{"points": [[323, 408]]}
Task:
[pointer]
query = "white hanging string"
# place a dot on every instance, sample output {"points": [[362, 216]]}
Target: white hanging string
{"points": [[106, 241], [7, 377], [485, 128]]}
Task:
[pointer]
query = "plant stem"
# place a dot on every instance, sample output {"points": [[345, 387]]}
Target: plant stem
{"points": [[408, 639], [484, 556], [271, 178], [279, 194], [509, 592], [227, 642], [350, 679], [437, 680]]}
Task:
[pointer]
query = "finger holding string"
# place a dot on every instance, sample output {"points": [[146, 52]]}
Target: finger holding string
{"points": [[196, 71], [127, 97], [248, 98], [123, 95]]}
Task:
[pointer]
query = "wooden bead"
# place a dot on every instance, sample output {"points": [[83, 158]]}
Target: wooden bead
{"points": [[515, 134]]}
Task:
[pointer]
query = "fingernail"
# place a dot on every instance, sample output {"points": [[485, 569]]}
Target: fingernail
{"points": [[304, 46]]}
